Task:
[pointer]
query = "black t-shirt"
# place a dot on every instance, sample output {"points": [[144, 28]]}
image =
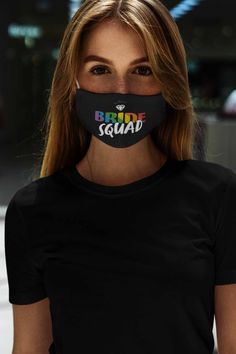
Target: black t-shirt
{"points": [[129, 268]]}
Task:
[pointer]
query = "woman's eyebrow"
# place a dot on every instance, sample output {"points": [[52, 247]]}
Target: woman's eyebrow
{"points": [[107, 61]]}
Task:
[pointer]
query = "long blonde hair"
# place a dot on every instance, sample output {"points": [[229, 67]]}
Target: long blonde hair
{"points": [[65, 140]]}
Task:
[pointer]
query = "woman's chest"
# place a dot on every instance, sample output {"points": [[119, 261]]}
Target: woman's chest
{"points": [[156, 248]]}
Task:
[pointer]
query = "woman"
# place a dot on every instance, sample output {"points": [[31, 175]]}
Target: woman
{"points": [[125, 244]]}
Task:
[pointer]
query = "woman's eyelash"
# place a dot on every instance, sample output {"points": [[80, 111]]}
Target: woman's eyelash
{"points": [[104, 67]]}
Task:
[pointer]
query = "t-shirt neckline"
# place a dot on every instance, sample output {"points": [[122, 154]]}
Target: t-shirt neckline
{"points": [[81, 181]]}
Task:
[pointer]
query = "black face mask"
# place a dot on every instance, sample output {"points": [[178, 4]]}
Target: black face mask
{"points": [[119, 120]]}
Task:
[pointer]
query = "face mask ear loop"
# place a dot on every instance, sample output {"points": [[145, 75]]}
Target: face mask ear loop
{"points": [[77, 84]]}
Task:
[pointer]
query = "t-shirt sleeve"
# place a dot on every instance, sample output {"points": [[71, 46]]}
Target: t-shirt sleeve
{"points": [[225, 237], [24, 278]]}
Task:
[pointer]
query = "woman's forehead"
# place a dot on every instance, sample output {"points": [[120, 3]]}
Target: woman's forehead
{"points": [[113, 42]]}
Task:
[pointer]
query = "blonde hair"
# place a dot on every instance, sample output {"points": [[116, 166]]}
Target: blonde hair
{"points": [[65, 140]]}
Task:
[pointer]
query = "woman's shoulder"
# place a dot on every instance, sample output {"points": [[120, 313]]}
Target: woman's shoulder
{"points": [[209, 173], [39, 190]]}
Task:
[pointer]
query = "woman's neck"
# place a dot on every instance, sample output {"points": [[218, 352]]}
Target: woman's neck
{"points": [[104, 164]]}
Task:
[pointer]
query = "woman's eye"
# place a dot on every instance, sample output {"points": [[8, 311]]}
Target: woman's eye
{"points": [[99, 70], [144, 70]]}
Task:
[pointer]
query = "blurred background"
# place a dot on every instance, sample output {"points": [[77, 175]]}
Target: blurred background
{"points": [[30, 36]]}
